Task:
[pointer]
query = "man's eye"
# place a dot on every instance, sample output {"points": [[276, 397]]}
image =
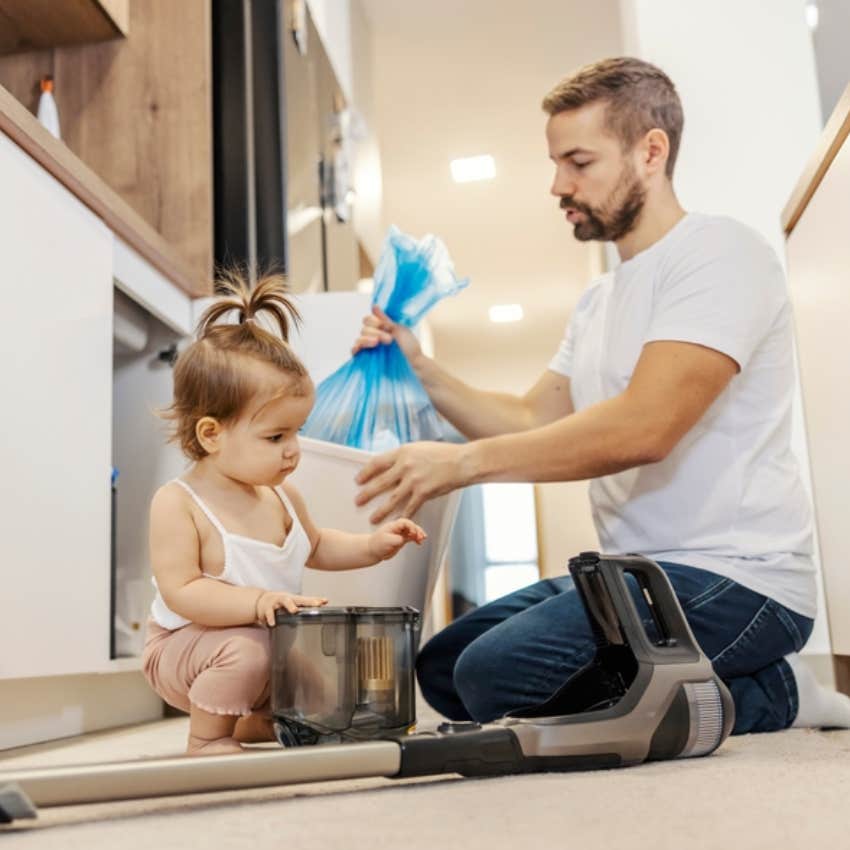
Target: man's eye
{"points": [[581, 165]]}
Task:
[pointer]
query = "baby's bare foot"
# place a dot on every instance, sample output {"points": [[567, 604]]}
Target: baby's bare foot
{"points": [[254, 728], [215, 747]]}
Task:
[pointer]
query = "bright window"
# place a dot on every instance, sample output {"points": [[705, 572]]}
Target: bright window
{"points": [[510, 538]]}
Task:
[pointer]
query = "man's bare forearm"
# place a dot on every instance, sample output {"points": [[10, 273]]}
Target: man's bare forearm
{"points": [[475, 413], [603, 439]]}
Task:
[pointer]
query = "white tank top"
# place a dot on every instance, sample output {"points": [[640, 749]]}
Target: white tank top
{"points": [[248, 562]]}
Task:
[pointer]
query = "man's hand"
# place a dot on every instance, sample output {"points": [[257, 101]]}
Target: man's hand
{"points": [[412, 474], [380, 329], [389, 538], [269, 601]]}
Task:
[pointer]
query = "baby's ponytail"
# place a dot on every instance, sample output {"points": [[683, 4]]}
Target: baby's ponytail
{"points": [[269, 296], [210, 376]]}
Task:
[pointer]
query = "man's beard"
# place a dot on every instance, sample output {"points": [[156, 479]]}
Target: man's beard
{"points": [[616, 217]]}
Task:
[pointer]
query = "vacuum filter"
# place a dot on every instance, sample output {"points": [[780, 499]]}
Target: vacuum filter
{"points": [[343, 674]]}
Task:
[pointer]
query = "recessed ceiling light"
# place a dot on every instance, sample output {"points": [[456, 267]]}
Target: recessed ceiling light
{"points": [[506, 312], [473, 168], [812, 15]]}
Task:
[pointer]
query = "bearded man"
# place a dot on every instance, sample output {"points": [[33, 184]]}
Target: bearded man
{"points": [[672, 392]]}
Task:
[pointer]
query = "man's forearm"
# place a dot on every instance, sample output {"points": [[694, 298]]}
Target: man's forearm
{"points": [[600, 440], [475, 413]]}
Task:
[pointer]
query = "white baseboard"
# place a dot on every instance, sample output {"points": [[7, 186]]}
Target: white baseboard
{"points": [[43, 709]]}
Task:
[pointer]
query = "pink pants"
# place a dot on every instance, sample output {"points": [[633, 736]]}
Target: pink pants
{"points": [[222, 671]]}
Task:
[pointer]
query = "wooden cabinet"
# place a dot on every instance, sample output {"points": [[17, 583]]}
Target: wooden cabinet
{"points": [[56, 354], [38, 24], [138, 112]]}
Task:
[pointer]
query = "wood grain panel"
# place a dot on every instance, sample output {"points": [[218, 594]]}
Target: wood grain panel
{"points": [[119, 11], [37, 24], [138, 112], [20, 75], [55, 157]]}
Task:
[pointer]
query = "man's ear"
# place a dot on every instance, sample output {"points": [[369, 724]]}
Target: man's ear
{"points": [[654, 151], [208, 433]]}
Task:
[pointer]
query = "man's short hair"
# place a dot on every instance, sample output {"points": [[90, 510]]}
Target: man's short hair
{"points": [[639, 98]]}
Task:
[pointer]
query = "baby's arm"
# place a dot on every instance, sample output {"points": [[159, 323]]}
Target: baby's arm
{"points": [[332, 549], [176, 562], [175, 558]]}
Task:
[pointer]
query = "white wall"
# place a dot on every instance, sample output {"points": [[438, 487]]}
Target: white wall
{"points": [[831, 54], [746, 74]]}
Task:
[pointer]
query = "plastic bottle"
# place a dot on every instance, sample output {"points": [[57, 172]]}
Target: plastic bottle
{"points": [[48, 114]]}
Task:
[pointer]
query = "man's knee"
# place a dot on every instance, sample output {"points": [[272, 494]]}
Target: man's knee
{"points": [[434, 664], [434, 671], [434, 652], [476, 683]]}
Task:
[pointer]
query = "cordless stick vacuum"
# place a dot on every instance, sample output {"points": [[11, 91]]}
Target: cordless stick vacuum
{"points": [[342, 698]]}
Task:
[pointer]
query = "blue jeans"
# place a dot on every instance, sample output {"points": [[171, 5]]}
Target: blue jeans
{"points": [[517, 651]]}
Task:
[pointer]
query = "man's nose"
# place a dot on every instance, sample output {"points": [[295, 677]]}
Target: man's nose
{"points": [[563, 187]]}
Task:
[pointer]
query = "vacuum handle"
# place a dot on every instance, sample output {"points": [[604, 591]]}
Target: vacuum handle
{"points": [[660, 598], [601, 580]]}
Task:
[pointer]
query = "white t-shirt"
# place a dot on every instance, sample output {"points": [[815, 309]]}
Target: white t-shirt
{"points": [[729, 497]]}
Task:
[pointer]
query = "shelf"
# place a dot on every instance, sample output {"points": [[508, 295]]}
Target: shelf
{"points": [[40, 24]]}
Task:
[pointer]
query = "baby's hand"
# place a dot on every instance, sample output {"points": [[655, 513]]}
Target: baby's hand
{"points": [[389, 538], [269, 601]]}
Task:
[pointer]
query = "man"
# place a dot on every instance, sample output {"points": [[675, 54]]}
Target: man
{"points": [[672, 391]]}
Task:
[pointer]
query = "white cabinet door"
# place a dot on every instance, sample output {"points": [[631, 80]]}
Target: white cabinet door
{"points": [[55, 392], [819, 275]]}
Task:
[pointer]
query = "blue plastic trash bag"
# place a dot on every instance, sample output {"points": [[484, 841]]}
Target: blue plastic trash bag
{"points": [[375, 401]]}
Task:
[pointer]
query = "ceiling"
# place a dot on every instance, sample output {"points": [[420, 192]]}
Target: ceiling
{"points": [[455, 78]]}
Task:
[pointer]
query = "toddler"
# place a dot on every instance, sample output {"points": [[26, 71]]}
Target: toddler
{"points": [[230, 538]]}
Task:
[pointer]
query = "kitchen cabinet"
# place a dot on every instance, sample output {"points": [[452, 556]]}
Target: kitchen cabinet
{"points": [[56, 350], [818, 262], [91, 326], [38, 24], [91, 323], [138, 112]]}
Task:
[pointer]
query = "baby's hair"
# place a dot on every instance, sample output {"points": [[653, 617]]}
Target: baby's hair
{"points": [[210, 376]]}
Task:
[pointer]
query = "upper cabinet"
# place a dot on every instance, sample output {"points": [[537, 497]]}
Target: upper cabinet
{"points": [[219, 122], [137, 111], [39, 24]]}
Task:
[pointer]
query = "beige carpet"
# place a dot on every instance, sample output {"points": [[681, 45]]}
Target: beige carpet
{"points": [[784, 790]]}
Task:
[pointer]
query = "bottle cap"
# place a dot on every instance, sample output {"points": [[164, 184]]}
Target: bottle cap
{"points": [[47, 84]]}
